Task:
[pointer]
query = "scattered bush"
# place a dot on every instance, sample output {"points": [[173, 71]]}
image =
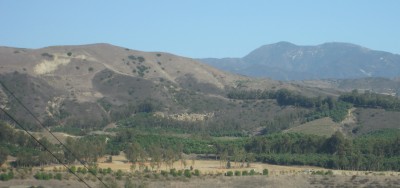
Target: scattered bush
{"points": [[141, 59], [132, 57], [69, 53], [48, 55], [229, 173]]}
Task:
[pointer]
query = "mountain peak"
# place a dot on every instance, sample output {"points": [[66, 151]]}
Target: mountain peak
{"points": [[283, 43]]}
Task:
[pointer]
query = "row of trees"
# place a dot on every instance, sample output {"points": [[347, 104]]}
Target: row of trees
{"points": [[148, 122], [320, 107]]}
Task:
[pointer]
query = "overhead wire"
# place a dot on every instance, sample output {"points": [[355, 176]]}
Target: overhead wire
{"points": [[41, 124]]}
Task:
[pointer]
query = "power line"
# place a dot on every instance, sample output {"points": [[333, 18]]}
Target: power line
{"points": [[41, 124], [59, 160]]}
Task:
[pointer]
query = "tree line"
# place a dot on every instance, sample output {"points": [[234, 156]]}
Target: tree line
{"points": [[371, 100]]}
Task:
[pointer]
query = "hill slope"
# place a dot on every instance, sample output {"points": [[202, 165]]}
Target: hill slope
{"points": [[286, 61]]}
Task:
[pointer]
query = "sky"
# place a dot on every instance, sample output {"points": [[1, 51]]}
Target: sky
{"points": [[200, 28]]}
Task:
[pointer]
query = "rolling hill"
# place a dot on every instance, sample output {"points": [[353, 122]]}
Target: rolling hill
{"points": [[90, 86]]}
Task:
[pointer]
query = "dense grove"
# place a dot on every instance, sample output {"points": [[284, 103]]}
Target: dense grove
{"points": [[378, 151]]}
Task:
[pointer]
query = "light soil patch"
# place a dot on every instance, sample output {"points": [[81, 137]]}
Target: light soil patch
{"points": [[59, 135], [46, 66], [323, 127], [350, 118]]}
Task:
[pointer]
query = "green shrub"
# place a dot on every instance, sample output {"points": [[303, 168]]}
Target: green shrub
{"points": [[93, 170], [43, 176], [229, 173], [238, 173], [187, 173], [7, 176], [265, 172], [319, 172], [109, 170], [164, 173], [58, 176], [197, 172], [84, 171], [180, 172], [119, 174], [252, 172], [173, 172], [245, 173], [329, 173]]}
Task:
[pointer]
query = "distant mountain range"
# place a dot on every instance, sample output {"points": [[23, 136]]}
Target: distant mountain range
{"points": [[287, 61]]}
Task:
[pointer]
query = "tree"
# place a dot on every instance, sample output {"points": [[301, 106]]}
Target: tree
{"points": [[228, 164], [336, 144], [265, 172], [3, 156], [145, 107], [133, 152], [223, 156]]}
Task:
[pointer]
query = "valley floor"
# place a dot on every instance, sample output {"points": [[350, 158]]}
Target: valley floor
{"points": [[212, 175]]}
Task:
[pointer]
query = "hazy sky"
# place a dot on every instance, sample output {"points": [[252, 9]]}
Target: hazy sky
{"points": [[201, 28]]}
